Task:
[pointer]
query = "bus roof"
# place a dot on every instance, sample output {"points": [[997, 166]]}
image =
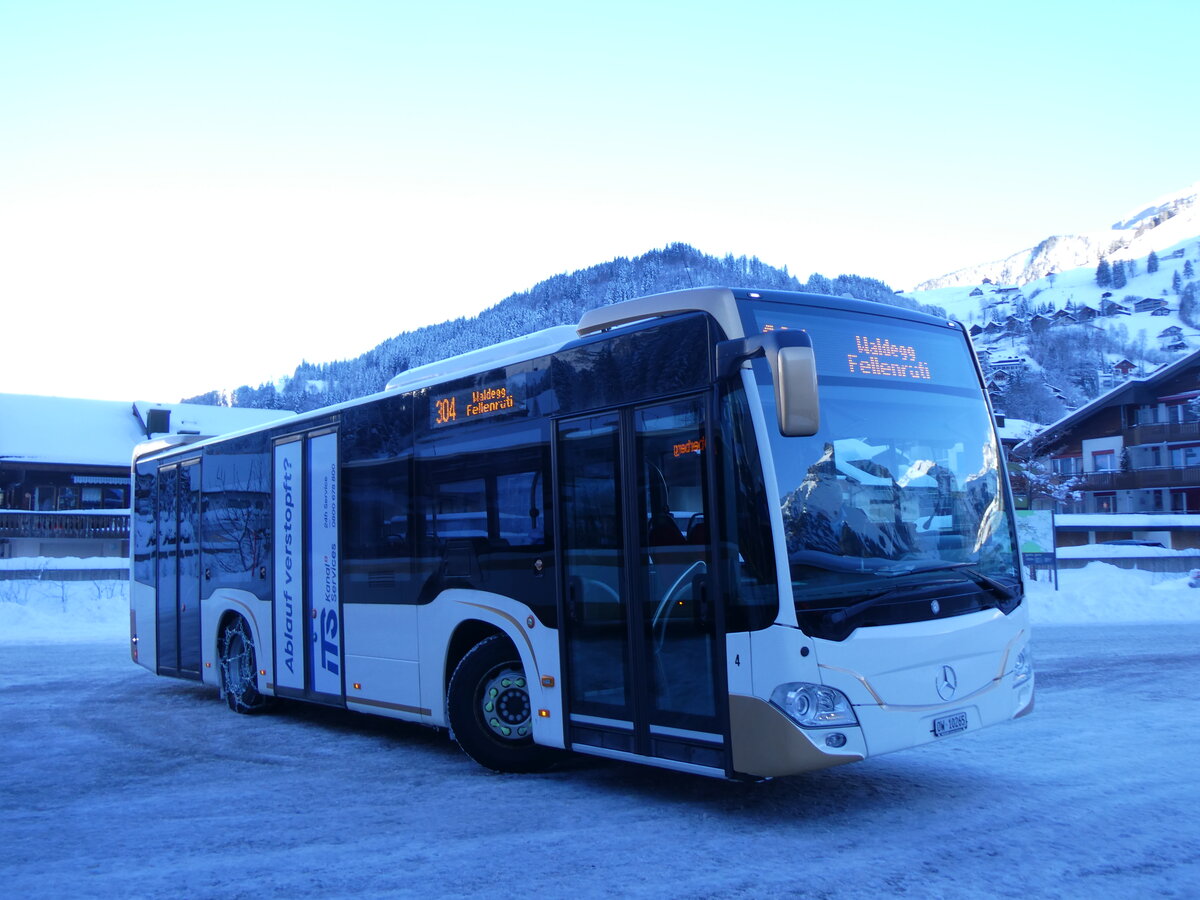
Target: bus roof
{"points": [[721, 303], [540, 343]]}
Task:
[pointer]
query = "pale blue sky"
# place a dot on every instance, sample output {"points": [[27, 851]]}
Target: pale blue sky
{"points": [[199, 195]]}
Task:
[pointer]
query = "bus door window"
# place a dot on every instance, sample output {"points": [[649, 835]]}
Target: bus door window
{"points": [[168, 561], [677, 618], [190, 644], [179, 645], [593, 543]]}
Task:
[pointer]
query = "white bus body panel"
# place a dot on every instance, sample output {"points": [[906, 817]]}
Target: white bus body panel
{"points": [[144, 623], [892, 675], [383, 673]]}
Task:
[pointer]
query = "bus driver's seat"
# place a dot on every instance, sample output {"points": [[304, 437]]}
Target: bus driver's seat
{"points": [[663, 530]]}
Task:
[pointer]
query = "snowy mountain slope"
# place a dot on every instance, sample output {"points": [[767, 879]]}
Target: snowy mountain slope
{"points": [[1076, 287], [1165, 206], [1165, 222], [1054, 330]]}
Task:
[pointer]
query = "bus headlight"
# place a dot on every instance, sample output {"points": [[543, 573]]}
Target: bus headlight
{"points": [[814, 705], [1023, 669]]}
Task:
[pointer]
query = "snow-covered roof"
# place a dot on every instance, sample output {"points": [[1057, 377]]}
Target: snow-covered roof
{"points": [[74, 431], [1017, 429]]}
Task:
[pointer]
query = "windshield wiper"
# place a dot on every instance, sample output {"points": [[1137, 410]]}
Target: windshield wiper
{"points": [[971, 570], [838, 616], [1001, 591]]}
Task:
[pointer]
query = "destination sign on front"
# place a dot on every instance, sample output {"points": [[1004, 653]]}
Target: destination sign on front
{"points": [[878, 355], [875, 355]]}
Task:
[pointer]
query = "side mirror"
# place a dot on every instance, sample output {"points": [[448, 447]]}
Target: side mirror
{"points": [[793, 365]]}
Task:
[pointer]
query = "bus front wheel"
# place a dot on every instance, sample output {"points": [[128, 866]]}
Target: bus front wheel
{"points": [[239, 669], [490, 711]]}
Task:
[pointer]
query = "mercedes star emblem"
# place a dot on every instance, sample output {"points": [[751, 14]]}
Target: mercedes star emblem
{"points": [[947, 683]]}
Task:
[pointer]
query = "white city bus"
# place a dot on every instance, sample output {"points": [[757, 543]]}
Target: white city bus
{"points": [[741, 534]]}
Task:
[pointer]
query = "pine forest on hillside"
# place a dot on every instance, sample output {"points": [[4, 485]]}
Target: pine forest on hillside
{"points": [[560, 300], [1047, 346]]}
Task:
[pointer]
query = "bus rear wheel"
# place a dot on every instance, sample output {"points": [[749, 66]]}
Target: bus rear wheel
{"points": [[490, 711], [239, 669]]}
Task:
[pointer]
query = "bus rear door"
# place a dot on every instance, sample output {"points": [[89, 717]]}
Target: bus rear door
{"points": [[178, 638]]}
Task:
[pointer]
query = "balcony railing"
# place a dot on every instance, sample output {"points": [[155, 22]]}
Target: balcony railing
{"points": [[1165, 431], [1141, 479], [99, 525], [1115, 504]]}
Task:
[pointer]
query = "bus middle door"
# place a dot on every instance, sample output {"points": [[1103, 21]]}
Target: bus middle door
{"points": [[307, 614]]}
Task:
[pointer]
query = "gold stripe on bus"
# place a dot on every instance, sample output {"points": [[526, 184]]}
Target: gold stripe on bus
{"points": [[516, 624], [882, 704], [399, 707]]}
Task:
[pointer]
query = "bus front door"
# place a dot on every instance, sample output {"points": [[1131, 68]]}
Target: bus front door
{"points": [[638, 621]]}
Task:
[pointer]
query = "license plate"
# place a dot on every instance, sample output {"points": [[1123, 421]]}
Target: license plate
{"points": [[951, 724]]}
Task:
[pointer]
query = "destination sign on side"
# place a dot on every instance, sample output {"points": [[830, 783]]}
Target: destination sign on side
{"points": [[475, 404]]}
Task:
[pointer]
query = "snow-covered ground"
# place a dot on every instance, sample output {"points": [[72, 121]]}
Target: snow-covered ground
{"points": [[117, 783]]}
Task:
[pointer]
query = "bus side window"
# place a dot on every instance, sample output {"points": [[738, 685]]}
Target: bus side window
{"points": [[521, 509], [375, 510], [377, 528], [485, 513], [459, 510]]}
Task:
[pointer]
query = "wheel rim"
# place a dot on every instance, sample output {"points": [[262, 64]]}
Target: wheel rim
{"points": [[504, 704]]}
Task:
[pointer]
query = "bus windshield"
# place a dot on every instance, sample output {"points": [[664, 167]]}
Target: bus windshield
{"points": [[894, 511]]}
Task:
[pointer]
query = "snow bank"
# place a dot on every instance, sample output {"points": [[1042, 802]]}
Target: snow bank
{"points": [[43, 611], [51, 563], [1103, 593], [63, 612], [1123, 551], [1138, 521]]}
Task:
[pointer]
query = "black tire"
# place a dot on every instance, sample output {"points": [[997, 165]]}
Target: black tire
{"points": [[239, 669], [490, 712]]}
